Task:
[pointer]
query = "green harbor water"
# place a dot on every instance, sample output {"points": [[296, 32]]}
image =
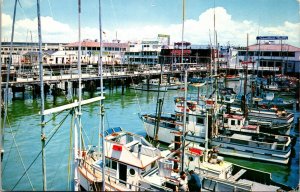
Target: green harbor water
{"points": [[22, 137]]}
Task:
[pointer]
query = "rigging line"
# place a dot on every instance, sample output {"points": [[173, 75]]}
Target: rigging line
{"points": [[115, 15], [55, 174], [57, 128], [9, 151], [22, 162], [50, 6], [54, 116], [23, 12], [139, 105], [9, 65]]}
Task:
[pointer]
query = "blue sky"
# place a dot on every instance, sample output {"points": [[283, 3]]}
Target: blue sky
{"points": [[144, 19]]}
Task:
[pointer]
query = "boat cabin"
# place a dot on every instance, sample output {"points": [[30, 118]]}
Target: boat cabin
{"points": [[237, 122], [127, 157]]}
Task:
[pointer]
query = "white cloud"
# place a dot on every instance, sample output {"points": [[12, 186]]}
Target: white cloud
{"points": [[197, 31], [6, 20], [200, 31]]}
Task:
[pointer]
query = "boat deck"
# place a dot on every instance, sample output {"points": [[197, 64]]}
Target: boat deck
{"points": [[258, 186]]}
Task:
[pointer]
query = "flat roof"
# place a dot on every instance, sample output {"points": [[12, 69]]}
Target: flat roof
{"points": [[273, 47]]}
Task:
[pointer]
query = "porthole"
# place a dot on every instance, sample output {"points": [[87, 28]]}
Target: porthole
{"points": [[131, 171], [191, 158]]}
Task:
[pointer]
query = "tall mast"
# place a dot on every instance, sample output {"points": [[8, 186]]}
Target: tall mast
{"points": [[9, 64], [101, 129], [43, 137], [77, 155], [185, 88], [1, 128], [215, 38]]}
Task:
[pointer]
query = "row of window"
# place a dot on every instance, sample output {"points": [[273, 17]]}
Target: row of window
{"points": [[144, 53], [267, 53], [27, 49], [98, 48]]}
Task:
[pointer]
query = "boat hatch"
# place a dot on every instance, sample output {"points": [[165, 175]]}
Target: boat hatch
{"points": [[112, 130]]}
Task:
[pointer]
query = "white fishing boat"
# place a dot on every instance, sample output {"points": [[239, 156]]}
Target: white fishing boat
{"points": [[220, 175], [270, 121], [170, 124], [271, 87], [238, 138], [233, 137], [151, 85], [129, 159], [174, 83]]}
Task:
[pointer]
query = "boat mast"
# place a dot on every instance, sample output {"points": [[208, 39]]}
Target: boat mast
{"points": [[101, 130], [216, 54], [77, 156], [1, 128], [185, 88], [244, 97], [9, 64], [43, 137]]}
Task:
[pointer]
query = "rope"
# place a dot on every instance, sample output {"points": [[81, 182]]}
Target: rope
{"points": [[8, 155], [19, 153], [56, 129], [140, 109]]}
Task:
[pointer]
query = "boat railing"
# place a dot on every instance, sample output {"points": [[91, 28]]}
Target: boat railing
{"points": [[258, 144], [111, 179], [217, 184]]}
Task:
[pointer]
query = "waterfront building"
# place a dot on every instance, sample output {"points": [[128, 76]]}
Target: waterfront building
{"points": [[270, 56], [21, 48], [113, 52], [195, 55], [144, 53]]}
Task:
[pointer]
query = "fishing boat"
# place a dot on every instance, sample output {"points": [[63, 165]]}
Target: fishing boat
{"points": [[150, 85], [169, 124], [231, 138], [270, 101], [238, 138], [129, 159], [175, 84], [272, 87], [220, 175], [270, 121]]}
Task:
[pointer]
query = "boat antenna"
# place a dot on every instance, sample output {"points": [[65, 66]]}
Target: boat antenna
{"points": [[101, 128], [43, 137], [185, 88]]}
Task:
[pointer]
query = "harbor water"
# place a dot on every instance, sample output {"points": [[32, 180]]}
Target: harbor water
{"points": [[22, 137]]}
